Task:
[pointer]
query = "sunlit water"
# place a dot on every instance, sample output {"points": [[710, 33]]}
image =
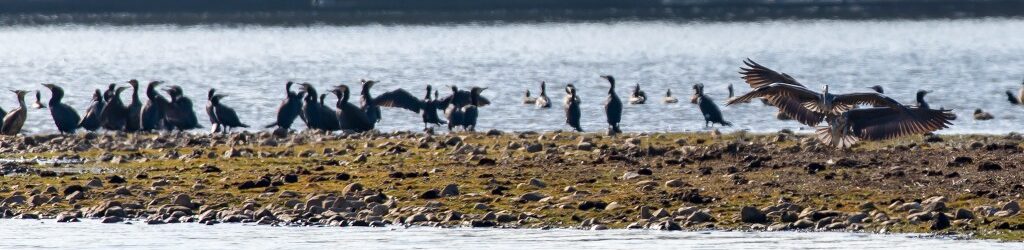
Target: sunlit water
{"points": [[19, 234], [968, 63]]}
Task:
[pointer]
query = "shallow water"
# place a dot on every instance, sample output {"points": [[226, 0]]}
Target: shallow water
{"points": [[968, 63], [90, 234]]}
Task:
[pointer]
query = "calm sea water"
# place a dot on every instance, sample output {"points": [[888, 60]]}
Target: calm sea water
{"points": [[968, 63], [90, 234]]}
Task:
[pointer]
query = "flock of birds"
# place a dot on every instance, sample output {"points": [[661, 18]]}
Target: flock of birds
{"points": [[840, 119]]}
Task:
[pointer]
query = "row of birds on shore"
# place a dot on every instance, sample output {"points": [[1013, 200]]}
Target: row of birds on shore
{"points": [[848, 117]]}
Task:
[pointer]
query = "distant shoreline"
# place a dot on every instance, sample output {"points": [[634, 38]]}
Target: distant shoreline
{"points": [[277, 12]]}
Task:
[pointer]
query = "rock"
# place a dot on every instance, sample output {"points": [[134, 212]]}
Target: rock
{"points": [[430, 194], [27, 216], [1012, 206], [481, 223], [989, 166], [183, 200], [111, 219], [669, 226], [531, 196], [73, 188], [940, 222], [342, 176], [352, 188], [814, 167], [533, 148], [613, 205], [752, 215], [210, 169], [114, 211], [63, 218], [867, 206], [415, 218], [964, 214], [122, 191], [75, 196], [699, 217], [116, 179], [645, 171], [675, 183], [480, 206], [450, 190], [537, 183], [803, 224], [37, 200], [630, 176], [857, 218], [95, 183], [598, 227], [645, 213], [778, 227]]}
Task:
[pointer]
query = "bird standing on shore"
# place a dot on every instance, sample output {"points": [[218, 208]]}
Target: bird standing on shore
{"points": [[152, 116], [328, 116], [708, 107], [638, 96], [134, 119], [572, 108], [669, 98], [64, 117], [426, 107], [367, 103], [310, 107], [179, 114], [289, 109], [612, 107], [226, 117], [542, 100], [350, 117], [15, 119], [91, 120], [209, 111], [114, 115]]}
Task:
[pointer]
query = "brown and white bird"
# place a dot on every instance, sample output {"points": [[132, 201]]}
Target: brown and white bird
{"points": [[669, 99], [15, 119]]}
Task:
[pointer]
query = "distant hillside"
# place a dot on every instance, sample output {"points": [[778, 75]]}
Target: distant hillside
{"points": [[355, 11]]}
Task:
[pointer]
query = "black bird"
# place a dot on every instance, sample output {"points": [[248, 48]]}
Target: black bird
{"points": [[919, 100], [310, 107], [878, 89], [109, 93], [209, 110], [134, 119], [351, 117], [179, 114], [289, 109], [328, 116], [114, 115], [400, 98], [63, 115], [91, 120], [15, 119], [638, 96], [731, 92], [708, 107], [542, 100], [152, 117], [981, 115], [669, 98], [846, 125], [367, 103], [470, 112], [453, 112], [1016, 100], [612, 107], [38, 104], [526, 98], [461, 98], [226, 117], [572, 108]]}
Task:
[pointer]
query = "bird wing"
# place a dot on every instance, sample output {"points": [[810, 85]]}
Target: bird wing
{"points": [[790, 99], [759, 76], [399, 98], [886, 123], [867, 98]]}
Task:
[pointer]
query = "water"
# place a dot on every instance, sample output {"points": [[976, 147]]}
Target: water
{"points": [[968, 63], [90, 234]]}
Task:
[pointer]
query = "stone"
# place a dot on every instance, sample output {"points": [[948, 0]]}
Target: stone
{"points": [[674, 183], [73, 188], [940, 222], [645, 171], [613, 205], [75, 196], [856, 218], [430, 194], [532, 196], [37, 200], [645, 213], [964, 214], [803, 224], [867, 206], [699, 217], [116, 179], [752, 215], [64, 217], [537, 183], [1012, 206], [114, 211], [352, 188], [122, 191], [533, 148], [95, 183], [183, 200], [480, 206], [111, 219], [450, 190]]}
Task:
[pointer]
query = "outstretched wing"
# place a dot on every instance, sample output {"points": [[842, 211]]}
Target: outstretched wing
{"points": [[758, 76], [789, 99], [873, 99], [399, 98], [887, 123]]}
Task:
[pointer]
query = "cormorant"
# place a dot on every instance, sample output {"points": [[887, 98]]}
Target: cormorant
{"points": [[109, 93], [366, 101], [63, 115], [731, 92], [179, 114], [708, 107], [91, 120], [453, 112], [114, 115], [669, 98], [919, 100], [470, 112], [845, 125], [152, 117], [572, 108], [38, 104], [400, 98], [461, 98], [289, 109], [542, 100], [612, 107], [878, 89], [209, 110], [328, 117], [15, 119], [225, 116], [310, 107], [638, 96], [526, 98], [134, 119], [350, 116]]}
